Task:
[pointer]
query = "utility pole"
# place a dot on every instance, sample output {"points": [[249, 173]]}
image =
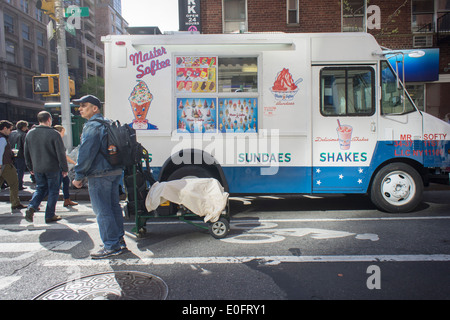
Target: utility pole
{"points": [[66, 117]]}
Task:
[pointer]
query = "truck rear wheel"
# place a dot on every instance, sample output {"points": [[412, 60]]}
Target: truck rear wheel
{"points": [[397, 188], [189, 171]]}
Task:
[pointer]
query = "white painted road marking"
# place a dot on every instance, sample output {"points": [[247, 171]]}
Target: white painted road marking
{"points": [[267, 260], [7, 281]]}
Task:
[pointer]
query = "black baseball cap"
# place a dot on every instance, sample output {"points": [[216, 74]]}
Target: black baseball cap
{"points": [[89, 98]]}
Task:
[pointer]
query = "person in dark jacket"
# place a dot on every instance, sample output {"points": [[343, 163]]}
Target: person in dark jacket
{"points": [[17, 141], [46, 158], [7, 170], [104, 180]]}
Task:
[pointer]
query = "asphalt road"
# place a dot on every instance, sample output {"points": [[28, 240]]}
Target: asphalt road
{"points": [[279, 248]]}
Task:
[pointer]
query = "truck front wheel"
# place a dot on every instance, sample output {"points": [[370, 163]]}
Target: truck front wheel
{"points": [[397, 188]]}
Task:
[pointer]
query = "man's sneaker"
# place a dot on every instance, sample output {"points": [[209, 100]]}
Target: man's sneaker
{"points": [[53, 219], [122, 244], [29, 214], [105, 253]]}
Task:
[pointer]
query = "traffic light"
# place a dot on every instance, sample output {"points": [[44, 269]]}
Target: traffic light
{"points": [[45, 84], [71, 87], [48, 85], [48, 6]]}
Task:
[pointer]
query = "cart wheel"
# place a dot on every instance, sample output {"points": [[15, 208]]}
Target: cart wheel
{"points": [[220, 228]]}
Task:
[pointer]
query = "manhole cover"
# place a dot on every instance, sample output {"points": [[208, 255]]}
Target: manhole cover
{"points": [[120, 285]]}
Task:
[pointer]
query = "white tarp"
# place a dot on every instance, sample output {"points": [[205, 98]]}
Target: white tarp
{"points": [[203, 196]]}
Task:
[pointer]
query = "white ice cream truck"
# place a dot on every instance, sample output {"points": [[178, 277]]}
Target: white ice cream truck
{"points": [[276, 114]]}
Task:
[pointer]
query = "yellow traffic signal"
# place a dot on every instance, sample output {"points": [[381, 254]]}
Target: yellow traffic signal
{"points": [[44, 84], [48, 6], [48, 85]]}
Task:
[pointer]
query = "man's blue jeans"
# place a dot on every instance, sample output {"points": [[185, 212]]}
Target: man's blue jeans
{"points": [[21, 167], [46, 182], [104, 194]]}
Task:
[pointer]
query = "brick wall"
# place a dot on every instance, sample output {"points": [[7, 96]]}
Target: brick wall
{"points": [[322, 16], [395, 31], [271, 16]]}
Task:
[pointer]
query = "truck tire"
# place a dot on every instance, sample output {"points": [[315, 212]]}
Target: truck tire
{"points": [[188, 171], [397, 188]]}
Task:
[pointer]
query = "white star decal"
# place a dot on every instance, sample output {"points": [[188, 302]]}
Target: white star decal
{"points": [[360, 170], [359, 181], [319, 182], [341, 176], [318, 170]]}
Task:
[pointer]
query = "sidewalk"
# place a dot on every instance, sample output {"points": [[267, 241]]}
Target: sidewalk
{"points": [[25, 195]]}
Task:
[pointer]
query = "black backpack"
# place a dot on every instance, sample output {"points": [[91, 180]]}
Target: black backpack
{"points": [[122, 146]]}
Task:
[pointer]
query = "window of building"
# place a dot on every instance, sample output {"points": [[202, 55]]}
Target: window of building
{"points": [[40, 38], [216, 94], [29, 88], [27, 57], [292, 12], [24, 5], [26, 32], [348, 91], [422, 15], [8, 23], [10, 51], [354, 16], [443, 16], [235, 16], [41, 63], [39, 14], [11, 84]]}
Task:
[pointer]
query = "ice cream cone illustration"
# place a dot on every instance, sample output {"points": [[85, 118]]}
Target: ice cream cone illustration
{"points": [[140, 100]]}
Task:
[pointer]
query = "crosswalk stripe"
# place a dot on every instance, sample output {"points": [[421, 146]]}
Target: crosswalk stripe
{"points": [[35, 246], [264, 260]]}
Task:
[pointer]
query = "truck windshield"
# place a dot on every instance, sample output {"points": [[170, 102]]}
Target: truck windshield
{"points": [[392, 95]]}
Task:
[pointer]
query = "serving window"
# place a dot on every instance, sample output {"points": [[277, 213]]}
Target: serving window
{"points": [[238, 74], [216, 94]]}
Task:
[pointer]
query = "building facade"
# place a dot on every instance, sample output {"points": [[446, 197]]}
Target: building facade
{"points": [[396, 24], [26, 51]]}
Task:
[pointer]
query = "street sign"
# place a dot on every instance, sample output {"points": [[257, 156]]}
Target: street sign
{"points": [[77, 11], [50, 30]]}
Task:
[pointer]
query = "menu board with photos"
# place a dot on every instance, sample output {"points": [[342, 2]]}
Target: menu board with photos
{"points": [[196, 74], [196, 115], [238, 115]]}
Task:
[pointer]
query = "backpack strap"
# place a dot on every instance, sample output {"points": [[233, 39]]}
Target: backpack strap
{"points": [[105, 123]]}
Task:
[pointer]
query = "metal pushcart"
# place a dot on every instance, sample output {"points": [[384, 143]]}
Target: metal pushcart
{"points": [[138, 180]]}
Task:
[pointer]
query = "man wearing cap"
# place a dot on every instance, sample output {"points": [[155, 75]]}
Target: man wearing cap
{"points": [[103, 179]]}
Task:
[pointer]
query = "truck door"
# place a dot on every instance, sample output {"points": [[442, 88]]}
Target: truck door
{"points": [[344, 127]]}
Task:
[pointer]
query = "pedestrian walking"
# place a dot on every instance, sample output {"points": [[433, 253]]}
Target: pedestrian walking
{"points": [[65, 180], [17, 142], [8, 172], [103, 179], [46, 159]]}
